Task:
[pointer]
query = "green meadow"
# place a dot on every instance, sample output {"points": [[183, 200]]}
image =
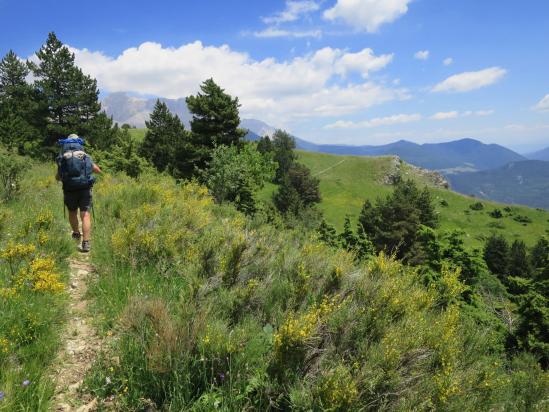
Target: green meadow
{"points": [[347, 181]]}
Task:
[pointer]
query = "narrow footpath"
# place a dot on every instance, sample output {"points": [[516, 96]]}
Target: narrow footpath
{"points": [[81, 344]]}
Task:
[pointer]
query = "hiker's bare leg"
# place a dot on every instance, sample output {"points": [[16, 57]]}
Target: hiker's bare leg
{"points": [[73, 219], [86, 225]]}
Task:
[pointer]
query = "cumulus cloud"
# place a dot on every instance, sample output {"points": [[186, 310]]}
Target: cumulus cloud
{"points": [[362, 62], [448, 61], [454, 114], [293, 11], [273, 32], [467, 81], [282, 91], [375, 122], [422, 55], [367, 15], [543, 104]]}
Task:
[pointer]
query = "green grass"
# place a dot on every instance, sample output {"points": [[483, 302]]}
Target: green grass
{"points": [[138, 134], [33, 232], [347, 181]]}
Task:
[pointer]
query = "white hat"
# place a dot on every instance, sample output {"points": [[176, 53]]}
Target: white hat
{"points": [[73, 136]]}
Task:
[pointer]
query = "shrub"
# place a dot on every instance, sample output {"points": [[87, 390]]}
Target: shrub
{"points": [[522, 219], [477, 206], [223, 312], [496, 214], [11, 173]]}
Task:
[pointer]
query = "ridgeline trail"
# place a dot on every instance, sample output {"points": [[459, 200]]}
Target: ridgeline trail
{"points": [[80, 344], [329, 168]]}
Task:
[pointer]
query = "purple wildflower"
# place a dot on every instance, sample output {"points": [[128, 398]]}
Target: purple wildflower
{"points": [[222, 377], [26, 382], [2, 395]]}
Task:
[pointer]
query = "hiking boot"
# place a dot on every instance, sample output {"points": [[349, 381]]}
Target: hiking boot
{"points": [[76, 235], [86, 247]]}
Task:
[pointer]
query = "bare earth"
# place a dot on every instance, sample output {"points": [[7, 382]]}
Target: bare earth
{"points": [[81, 344]]}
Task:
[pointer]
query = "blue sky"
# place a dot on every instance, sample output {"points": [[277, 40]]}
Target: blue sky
{"points": [[338, 71]]}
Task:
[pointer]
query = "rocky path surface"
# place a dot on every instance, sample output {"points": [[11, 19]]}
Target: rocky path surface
{"points": [[81, 344]]}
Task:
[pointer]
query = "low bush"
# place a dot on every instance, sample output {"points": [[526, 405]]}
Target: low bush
{"points": [[496, 214], [477, 206], [11, 173], [522, 219]]}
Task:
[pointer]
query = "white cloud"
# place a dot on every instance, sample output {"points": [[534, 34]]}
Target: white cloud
{"points": [[379, 121], [306, 86], [543, 104], [448, 61], [367, 15], [273, 32], [293, 11], [468, 81], [455, 114], [362, 62], [422, 55], [445, 115]]}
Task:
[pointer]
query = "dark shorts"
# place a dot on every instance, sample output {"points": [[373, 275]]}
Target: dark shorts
{"points": [[80, 199]]}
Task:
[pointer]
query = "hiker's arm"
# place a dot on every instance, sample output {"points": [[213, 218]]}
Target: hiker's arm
{"points": [[96, 169]]}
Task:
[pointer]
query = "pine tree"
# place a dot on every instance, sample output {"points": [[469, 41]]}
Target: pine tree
{"points": [[306, 185], [532, 333], [327, 234], [518, 260], [347, 238], [539, 257], [454, 252], [496, 255], [165, 141], [427, 213], [265, 145], [286, 199], [364, 246], [284, 155], [215, 118], [393, 223], [22, 117], [70, 95]]}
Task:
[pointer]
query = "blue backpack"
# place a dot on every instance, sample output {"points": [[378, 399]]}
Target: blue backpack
{"points": [[74, 166]]}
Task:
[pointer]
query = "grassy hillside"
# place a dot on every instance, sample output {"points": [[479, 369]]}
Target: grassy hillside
{"points": [[347, 181], [212, 311], [138, 134]]}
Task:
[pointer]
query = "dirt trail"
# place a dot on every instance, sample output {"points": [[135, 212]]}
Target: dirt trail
{"points": [[81, 344], [329, 168]]}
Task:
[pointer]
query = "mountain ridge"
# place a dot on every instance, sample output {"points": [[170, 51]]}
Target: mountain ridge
{"points": [[525, 182], [542, 154], [448, 157]]}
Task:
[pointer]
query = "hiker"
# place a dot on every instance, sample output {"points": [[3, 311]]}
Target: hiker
{"points": [[74, 169]]}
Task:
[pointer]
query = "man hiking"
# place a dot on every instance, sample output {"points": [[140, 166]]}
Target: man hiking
{"points": [[74, 169]]}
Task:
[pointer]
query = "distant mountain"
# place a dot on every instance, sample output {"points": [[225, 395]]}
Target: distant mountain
{"points": [[539, 155], [136, 110], [525, 182], [451, 157]]}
